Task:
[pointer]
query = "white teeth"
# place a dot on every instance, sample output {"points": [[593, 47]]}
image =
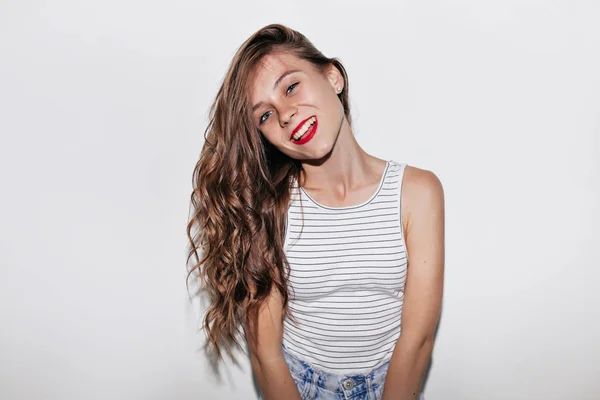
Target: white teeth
{"points": [[304, 128]]}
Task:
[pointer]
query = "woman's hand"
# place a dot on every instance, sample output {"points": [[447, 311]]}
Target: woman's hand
{"points": [[266, 355]]}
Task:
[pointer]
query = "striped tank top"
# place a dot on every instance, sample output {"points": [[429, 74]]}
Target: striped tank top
{"points": [[347, 275]]}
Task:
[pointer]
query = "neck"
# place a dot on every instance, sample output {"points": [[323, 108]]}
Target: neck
{"points": [[347, 166]]}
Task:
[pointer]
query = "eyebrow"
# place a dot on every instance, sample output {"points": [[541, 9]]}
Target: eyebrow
{"points": [[277, 82]]}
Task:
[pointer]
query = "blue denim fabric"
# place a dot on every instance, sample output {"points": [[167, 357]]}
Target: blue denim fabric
{"points": [[313, 383]]}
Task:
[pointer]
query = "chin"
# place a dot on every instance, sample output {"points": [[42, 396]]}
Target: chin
{"points": [[320, 153], [323, 151]]}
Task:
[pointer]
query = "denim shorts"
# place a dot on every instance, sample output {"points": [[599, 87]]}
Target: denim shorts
{"points": [[313, 383]]}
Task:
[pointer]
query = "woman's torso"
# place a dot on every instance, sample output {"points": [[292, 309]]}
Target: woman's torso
{"points": [[347, 275]]}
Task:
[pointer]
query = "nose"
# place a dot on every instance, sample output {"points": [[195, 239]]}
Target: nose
{"points": [[286, 114]]}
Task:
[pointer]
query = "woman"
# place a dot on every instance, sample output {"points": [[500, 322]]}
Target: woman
{"points": [[313, 247]]}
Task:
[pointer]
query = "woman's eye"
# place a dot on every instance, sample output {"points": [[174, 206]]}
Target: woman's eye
{"points": [[291, 87], [266, 115], [262, 118]]}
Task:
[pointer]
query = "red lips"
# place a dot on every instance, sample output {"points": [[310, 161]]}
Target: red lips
{"points": [[299, 126]]}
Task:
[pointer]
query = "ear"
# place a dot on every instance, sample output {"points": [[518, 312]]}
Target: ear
{"points": [[335, 77]]}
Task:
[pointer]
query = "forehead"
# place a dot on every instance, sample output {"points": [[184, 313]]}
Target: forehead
{"points": [[270, 68], [275, 62]]}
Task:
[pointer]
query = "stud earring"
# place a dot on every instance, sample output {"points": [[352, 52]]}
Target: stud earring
{"points": [[339, 89]]}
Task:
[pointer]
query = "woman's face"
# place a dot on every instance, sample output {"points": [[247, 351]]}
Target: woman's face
{"points": [[296, 107]]}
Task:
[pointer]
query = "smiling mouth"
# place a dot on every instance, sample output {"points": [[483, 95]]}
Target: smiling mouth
{"points": [[310, 132], [303, 128]]}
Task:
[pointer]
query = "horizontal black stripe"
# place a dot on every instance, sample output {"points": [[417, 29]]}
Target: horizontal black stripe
{"points": [[352, 249], [324, 342], [346, 237], [346, 348], [394, 226], [349, 304], [340, 336], [306, 291], [345, 273], [348, 255], [354, 360], [330, 317], [337, 339], [353, 261], [352, 298], [386, 296], [386, 347], [341, 212], [375, 326], [338, 309], [348, 269], [314, 293], [389, 319], [336, 282], [346, 219], [345, 244]]}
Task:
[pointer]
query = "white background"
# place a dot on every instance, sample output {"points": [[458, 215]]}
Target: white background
{"points": [[103, 106]]}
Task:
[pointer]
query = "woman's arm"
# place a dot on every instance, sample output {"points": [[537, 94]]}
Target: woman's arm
{"points": [[266, 356], [423, 211]]}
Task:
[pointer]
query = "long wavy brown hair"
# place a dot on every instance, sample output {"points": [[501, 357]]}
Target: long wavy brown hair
{"points": [[241, 194]]}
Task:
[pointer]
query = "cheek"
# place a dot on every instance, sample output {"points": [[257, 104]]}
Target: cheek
{"points": [[268, 135], [330, 102], [272, 135]]}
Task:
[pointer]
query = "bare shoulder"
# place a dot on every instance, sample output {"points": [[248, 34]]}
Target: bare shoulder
{"points": [[421, 182], [422, 192]]}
